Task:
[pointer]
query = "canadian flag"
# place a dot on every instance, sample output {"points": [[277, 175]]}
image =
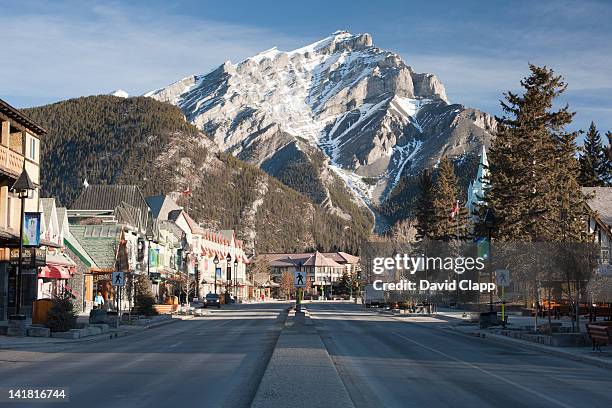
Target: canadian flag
{"points": [[455, 210], [187, 192]]}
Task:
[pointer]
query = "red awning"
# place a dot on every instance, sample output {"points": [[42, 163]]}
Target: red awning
{"points": [[54, 272]]}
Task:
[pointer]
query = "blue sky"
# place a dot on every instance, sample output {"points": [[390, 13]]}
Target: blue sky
{"points": [[61, 49]]}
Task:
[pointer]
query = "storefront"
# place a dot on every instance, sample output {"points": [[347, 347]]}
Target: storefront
{"points": [[53, 277], [32, 259]]}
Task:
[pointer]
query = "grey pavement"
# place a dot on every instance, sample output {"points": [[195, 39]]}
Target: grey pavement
{"points": [[300, 372], [417, 362], [217, 360]]}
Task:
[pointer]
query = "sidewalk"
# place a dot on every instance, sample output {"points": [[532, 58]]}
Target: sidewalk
{"points": [[300, 372]]}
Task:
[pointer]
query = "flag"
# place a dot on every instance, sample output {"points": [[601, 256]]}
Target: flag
{"points": [[455, 210], [187, 192]]}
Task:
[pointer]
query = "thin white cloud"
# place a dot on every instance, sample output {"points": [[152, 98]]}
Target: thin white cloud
{"points": [[64, 55]]}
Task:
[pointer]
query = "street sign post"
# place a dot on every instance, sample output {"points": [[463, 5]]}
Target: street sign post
{"points": [[118, 279], [299, 279], [502, 276]]}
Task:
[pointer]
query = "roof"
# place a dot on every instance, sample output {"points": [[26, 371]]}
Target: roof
{"points": [[110, 197], [20, 118], [61, 217], [75, 246], [161, 205], [318, 259], [99, 242], [599, 199], [342, 257], [46, 206], [331, 259]]}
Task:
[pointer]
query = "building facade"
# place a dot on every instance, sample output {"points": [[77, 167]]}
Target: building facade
{"points": [[19, 150], [323, 269]]}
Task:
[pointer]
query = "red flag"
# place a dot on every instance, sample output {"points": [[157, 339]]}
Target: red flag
{"points": [[455, 210]]}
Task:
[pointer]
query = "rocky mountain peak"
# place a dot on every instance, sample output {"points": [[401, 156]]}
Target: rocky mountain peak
{"points": [[350, 110]]}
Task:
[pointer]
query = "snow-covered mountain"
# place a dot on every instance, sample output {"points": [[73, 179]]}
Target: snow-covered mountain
{"points": [[120, 93], [338, 109]]}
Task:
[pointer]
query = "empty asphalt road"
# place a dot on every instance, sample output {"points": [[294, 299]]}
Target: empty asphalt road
{"points": [[414, 362], [214, 361]]}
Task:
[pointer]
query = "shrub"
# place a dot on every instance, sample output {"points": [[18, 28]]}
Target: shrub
{"points": [[143, 296], [62, 316]]}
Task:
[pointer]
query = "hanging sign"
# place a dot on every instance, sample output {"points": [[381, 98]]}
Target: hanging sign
{"points": [[31, 229]]}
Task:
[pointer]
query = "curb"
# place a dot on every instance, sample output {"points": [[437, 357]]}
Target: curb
{"points": [[113, 334], [99, 337]]}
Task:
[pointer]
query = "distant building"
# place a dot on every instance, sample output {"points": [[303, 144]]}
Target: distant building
{"points": [[600, 223], [59, 273], [321, 268], [109, 223], [19, 150], [202, 246]]}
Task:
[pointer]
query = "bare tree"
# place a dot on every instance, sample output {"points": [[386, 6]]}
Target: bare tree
{"points": [[286, 284]]}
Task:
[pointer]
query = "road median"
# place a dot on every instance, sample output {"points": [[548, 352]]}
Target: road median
{"points": [[300, 372]]}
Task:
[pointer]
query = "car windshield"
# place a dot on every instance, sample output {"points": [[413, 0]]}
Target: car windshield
{"points": [[212, 296]]}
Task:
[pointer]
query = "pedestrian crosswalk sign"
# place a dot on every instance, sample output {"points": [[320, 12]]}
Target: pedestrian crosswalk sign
{"points": [[118, 278], [502, 276], [299, 279]]}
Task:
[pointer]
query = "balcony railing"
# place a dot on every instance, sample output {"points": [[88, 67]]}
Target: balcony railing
{"points": [[10, 161]]}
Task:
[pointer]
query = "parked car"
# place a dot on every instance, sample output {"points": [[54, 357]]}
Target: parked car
{"points": [[212, 299]]}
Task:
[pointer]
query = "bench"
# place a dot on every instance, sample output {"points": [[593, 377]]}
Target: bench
{"points": [[165, 309], [600, 334]]}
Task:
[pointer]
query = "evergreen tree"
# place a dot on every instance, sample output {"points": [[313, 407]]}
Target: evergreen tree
{"points": [[533, 167], [594, 164], [609, 149], [444, 200], [424, 209]]}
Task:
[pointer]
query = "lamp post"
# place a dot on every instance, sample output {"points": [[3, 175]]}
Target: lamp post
{"points": [[187, 262], [149, 237], [236, 278], [23, 187], [216, 262], [228, 274], [490, 225]]}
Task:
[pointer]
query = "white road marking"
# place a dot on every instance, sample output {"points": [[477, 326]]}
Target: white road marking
{"points": [[499, 377], [175, 344]]}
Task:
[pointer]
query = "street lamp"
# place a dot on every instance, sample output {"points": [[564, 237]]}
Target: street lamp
{"points": [[216, 262], [228, 273], [149, 237], [490, 225], [236, 277], [23, 187]]}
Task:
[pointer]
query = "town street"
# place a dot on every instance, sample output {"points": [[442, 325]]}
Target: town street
{"points": [[387, 361], [217, 360]]}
